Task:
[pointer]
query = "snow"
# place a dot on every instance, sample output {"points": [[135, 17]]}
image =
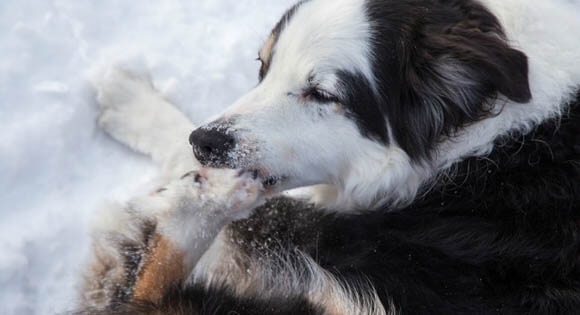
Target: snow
{"points": [[56, 166]]}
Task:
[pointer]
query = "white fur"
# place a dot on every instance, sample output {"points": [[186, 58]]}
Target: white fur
{"points": [[189, 211], [134, 113], [191, 214]]}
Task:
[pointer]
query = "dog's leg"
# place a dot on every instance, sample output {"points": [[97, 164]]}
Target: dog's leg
{"points": [[193, 220], [153, 243], [120, 237], [135, 114]]}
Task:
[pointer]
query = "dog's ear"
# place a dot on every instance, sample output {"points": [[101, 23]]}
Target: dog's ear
{"points": [[486, 60], [451, 77]]}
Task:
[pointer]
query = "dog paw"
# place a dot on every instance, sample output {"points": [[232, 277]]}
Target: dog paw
{"points": [[246, 193], [123, 98], [117, 88], [229, 192], [213, 194]]}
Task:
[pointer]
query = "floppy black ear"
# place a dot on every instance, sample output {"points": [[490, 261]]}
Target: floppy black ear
{"points": [[486, 57], [460, 73], [451, 77]]}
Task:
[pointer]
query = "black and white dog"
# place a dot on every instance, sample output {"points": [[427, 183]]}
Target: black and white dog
{"points": [[443, 140]]}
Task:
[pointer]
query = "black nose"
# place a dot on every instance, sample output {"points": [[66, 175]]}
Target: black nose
{"points": [[211, 147]]}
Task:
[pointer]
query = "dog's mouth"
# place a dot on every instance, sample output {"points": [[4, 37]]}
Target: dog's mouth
{"points": [[271, 181], [268, 181]]}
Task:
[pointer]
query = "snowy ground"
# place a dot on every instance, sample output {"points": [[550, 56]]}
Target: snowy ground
{"points": [[56, 167]]}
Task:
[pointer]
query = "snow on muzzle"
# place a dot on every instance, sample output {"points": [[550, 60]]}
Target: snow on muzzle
{"points": [[215, 145]]}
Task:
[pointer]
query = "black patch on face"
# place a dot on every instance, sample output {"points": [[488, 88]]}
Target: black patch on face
{"points": [[439, 65], [362, 106]]}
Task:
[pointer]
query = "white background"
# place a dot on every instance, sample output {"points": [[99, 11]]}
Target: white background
{"points": [[56, 167]]}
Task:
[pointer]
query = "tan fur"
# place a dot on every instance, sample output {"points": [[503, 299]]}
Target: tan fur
{"points": [[163, 267], [266, 50]]}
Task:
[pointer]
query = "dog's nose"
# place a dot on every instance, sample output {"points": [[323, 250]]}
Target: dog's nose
{"points": [[211, 147]]}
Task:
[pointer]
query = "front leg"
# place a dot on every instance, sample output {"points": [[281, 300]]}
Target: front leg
{"points": [[135, 114], [186, 217]]}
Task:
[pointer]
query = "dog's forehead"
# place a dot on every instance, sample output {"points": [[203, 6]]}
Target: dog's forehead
{"points": [[321, 36]]}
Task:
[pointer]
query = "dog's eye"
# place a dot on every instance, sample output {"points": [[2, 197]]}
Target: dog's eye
{"points": [[319, 96]]}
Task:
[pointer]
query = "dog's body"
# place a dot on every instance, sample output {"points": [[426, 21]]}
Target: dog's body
{"points": [[447, 130]]}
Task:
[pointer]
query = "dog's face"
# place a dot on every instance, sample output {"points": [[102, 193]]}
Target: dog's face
{"points": [[358, 93]]}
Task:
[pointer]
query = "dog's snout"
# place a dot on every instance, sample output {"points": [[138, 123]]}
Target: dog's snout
{"points": [[211, 146]]}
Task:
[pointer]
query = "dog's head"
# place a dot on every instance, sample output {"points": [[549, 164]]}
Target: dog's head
{"points": [[359, 93]]}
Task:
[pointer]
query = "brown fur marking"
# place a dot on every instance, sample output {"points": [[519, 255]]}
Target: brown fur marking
{"points": [[162, 268], [266, 51]]}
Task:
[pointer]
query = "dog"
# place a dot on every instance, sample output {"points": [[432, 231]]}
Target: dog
{"points": [[440, 138]]}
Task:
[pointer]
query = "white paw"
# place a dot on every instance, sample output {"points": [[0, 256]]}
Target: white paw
{"points": [[124, 98], [230, 192], [245, 194], [118, 87]]}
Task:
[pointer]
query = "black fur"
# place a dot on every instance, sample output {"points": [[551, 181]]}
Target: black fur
{"points": [[362, 106], [419, 46]]}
